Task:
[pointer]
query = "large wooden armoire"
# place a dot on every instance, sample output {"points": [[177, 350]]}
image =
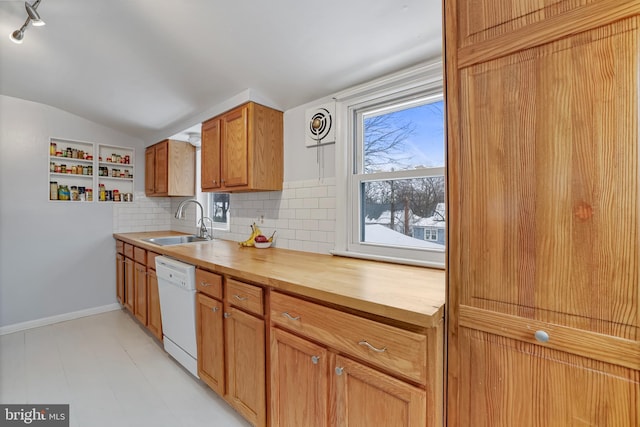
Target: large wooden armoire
{"points": [[543, 299]]}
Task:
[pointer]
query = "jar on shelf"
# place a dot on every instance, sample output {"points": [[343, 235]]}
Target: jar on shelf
{"points": [[63, 168], [63, 192], [58, 169], [74, 193], [74, 170], [89, 194], [82, 195], [116, 195], [53, 190], [102, 195], [52, 167], [53, 147], [90, 170]]}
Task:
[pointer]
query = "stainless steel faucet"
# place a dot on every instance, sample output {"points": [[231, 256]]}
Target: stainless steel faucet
{"points": [[203, 232]]}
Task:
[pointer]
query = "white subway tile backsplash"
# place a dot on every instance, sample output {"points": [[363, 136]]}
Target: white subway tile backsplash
{"points": [[303, 214]]}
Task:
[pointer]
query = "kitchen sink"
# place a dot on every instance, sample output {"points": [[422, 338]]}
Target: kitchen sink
{"points": [[174, 240]]}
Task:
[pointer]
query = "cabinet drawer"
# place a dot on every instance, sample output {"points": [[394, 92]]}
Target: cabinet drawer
{"points": [[128, 250], [140, 255], [209, 283], [151, 259], [244, 296], [388, 347], [119, 246]]}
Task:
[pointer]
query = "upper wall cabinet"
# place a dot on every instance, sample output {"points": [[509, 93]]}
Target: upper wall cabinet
{"points": [[170, 169], [242, 150]]}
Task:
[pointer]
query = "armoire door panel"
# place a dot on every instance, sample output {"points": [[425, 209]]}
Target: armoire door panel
{"points": [[550, 173], [553, 389]]}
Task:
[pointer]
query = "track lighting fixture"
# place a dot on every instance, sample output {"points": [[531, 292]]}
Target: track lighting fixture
{"points": [[32, 17]]}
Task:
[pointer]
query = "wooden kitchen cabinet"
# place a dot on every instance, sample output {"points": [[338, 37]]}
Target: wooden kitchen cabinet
{"points": [[129, 280], [367, 397], [154, 318], [170, 169], [300, 372], [140, 292], [120, 278], [544, 188], [242, 150], [245, 350], [210, 336], [399, 391]]}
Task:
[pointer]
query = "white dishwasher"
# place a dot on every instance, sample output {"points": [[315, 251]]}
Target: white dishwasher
{"points": [[177, 289]]}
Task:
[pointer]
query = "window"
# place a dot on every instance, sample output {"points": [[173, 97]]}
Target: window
{"points": [[219, 210], [394, 179]]}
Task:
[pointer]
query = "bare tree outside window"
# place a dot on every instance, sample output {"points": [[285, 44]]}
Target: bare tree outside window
{"points": [[409, 139]]}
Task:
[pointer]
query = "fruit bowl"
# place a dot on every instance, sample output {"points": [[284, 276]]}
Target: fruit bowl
{"points": [[263, 245]]}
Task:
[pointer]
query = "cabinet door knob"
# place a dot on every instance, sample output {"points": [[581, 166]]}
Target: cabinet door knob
{"points": [[215, 309], [542, 336], [227, 315], [214, 181], [290, 317], [339, 370], [315, 359]]}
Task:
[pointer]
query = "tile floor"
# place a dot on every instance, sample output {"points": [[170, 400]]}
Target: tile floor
{"points": [[111, 372]]}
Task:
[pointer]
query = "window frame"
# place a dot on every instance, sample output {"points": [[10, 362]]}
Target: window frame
{"points": [[421, 82]]}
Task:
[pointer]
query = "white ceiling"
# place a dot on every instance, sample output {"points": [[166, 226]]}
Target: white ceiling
{"points": [[146, 66]]}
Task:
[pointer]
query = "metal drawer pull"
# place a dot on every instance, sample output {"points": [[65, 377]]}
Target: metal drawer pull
{"points": [[542, 336], [205, 284], [227, 315], [215, 309], [239, 298], [315, 359], [377, 350], [339, 370], [290, 317]]}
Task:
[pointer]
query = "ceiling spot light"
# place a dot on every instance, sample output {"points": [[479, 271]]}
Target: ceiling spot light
{"points": [[17, 36], [32, 17]]}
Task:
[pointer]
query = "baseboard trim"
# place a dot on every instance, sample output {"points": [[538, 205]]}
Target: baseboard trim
{"points": [[17, 327]]}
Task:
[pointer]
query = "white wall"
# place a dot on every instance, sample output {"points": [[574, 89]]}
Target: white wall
{"points": [[55, 257]]}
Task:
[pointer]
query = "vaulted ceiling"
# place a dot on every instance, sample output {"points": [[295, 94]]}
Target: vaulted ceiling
{"points": [[145, 66]]}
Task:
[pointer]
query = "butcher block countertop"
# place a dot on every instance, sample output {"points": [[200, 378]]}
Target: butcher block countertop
{"points": [[408, 294]]}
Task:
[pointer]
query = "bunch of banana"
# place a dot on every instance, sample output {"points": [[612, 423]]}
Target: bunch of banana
{"points": [[255, 231]]}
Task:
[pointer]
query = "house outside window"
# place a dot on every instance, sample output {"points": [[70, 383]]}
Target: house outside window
{"points": [[394, 177]]}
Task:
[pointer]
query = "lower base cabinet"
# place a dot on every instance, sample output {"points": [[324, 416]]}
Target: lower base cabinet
{"points": [[299, 382], [210, 334], [323, 369], [245, 350], [154, 318], [140, 293], [366, 397]]}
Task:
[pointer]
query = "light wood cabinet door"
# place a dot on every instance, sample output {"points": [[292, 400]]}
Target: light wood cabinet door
{"points": [[245, 352], [154, 318], [210, 334], [161, 175], [365, 397], [120, 278], [235, 147], [150, 171], [140, 293], [242, 150], [170, 169], [210, 155], [299, 372], [543, 192], [129, 283]]}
